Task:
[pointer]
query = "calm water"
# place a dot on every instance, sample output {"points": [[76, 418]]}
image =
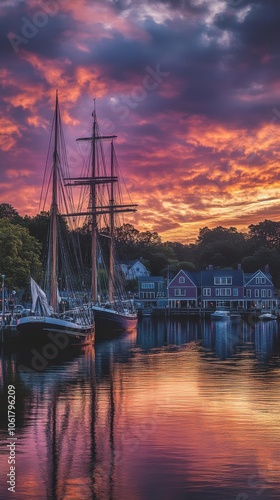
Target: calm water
{"points": [[174, 410]]}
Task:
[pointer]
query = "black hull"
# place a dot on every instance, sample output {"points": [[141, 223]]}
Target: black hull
{"points": [[111, 323], [62, 333]]}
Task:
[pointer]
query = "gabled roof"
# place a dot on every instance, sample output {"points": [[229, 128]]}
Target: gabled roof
{"points": [[248, 277], [132, 263], [186, 274]]}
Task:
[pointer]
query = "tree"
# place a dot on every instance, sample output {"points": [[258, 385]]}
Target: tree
{"points": [[266, 233], [8, 212], [221, 247], [19, 255], [38, 227]]}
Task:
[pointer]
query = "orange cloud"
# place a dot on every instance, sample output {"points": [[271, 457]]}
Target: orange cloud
{"points": [[10, 131]]}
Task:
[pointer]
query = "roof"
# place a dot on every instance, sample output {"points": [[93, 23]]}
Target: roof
{"points": [[207, 277], [188, 275], [250, 276], [151, 278]]}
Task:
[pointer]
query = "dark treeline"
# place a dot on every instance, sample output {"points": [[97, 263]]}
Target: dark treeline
{"points": [[222, 247]]}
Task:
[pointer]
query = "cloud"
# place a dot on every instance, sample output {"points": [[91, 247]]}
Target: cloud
{"points": [[190, 88]]}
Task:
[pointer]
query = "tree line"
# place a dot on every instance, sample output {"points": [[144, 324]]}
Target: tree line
{"points": [[23, 242]]}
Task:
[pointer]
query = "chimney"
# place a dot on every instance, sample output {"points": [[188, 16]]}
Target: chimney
{"points": [[239, 267], [266, 268], [210, 267]]}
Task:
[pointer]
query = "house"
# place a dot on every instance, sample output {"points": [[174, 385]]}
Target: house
{"points": [[183, 291], [152, 291], [222, 288], [134, 270], [259, 290]]}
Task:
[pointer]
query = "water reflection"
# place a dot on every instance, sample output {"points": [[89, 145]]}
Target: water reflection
{"points": [[173, 410]]}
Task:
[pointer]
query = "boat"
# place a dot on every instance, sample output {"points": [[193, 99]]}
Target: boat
{"points": [[49, 315], [101, 191], [267, 316], [220, 314]]}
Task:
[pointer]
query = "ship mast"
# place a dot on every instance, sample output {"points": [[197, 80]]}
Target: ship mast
{"points": [[93, 214], [94, 211], [54, 213], [111, 248]]}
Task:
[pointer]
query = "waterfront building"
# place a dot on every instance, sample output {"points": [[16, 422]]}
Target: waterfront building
{"points": [[216, 288], [183, 290], [222, 288], [152, 291], [259, 290]]}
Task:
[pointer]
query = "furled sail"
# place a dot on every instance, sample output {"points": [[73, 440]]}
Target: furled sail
{"points": [[40, 303]]}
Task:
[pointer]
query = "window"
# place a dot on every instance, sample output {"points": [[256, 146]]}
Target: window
{"points": [[260, 281], [257, 293], [147, 295], [269, 293], [235, 292], [148, 285], [182, 279], [207, 292], [225, 292], [263, 293], [180, 292], [249, 294], [224, 280], [217, 292]]}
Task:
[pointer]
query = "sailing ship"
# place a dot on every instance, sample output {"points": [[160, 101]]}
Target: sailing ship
{"points": [[49, 314], [100, 187]]}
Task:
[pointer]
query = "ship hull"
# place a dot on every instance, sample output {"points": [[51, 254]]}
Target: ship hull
{"points": [[110, 322], [39, 329]]}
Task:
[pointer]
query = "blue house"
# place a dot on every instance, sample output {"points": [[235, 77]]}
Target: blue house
{"points": [[222, 288], [152, 291], [183, 291], [259, 290]]}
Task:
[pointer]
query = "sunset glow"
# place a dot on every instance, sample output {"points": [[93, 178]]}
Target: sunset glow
{"points": [[190, 88]]}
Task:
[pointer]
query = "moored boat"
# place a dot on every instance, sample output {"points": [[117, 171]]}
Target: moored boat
{"points": [[267, 316], [47, 316], [220, 314], [112, 308]]}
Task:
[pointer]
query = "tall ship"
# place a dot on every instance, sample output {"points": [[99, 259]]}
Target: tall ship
{"points": [[101, 204], [50, 314]]}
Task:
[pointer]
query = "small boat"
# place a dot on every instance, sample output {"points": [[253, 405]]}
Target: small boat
{"points": [[220, 314], [267, 316], [48, 317]]}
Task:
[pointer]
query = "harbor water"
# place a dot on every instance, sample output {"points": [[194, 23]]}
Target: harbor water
{"points": [[173, 410]]}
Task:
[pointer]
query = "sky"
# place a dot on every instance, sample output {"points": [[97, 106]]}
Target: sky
{"points": [[191, 88]]}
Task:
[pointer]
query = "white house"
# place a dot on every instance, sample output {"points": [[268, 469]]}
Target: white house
{"points": [[134, 269]]}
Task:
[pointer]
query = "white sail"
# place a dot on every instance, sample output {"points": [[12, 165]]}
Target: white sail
{"points": [[40, 303]]}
